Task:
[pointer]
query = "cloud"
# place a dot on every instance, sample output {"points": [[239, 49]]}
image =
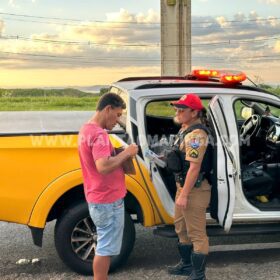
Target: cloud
{"points": [[124, 16], [120, 28], [272, 2], [246, 42], [122, 43], [242, 27], [2, 25], [15, 4], [222, 21], [93, 44], [277, 47]]}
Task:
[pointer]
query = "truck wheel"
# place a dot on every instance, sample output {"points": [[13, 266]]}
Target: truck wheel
{"points": [[76, 239]]}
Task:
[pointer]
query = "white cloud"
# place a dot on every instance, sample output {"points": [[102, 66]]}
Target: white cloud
{"points": [[15, 3], [232, 52], [95, 43], [151, 17], [222, 21], [2, 25], [117, 29], [239, 17], [277, 47], [124, 16], [273, 2]]}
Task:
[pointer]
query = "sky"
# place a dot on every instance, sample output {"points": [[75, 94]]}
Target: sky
{"points": [[51, 43]]}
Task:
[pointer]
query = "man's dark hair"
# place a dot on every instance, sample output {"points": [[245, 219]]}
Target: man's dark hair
{"points": [[111, 99]]}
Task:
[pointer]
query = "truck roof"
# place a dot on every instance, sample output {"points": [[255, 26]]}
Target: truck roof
{"points": [[138, 83], [146, 82], [137, 87]]}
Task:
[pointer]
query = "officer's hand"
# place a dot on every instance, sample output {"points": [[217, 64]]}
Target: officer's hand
{"points": [[132, 150], [182, 201]]}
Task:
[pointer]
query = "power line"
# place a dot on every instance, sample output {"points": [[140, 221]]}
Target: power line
{"points": [[145, 59], [237, 21], [139, 63], [261, 57], [136, 45], [213, 26], [77, 20], [82, 24], [135, 22], [88, 43]]}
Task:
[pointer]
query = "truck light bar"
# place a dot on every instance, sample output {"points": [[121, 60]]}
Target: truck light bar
{"points": [[224, 76]]}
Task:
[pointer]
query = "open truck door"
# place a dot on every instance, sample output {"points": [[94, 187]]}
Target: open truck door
{"points": [[226, 164]]}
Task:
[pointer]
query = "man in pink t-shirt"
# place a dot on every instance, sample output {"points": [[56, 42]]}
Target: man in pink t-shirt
{"points": [[104, 180]]}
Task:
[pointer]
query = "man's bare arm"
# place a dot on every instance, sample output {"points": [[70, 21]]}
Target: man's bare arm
{"points": [[107, 165]]}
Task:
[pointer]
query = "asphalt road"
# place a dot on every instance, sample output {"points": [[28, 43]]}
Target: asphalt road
{"points": [[149, 259], [42, 121]]}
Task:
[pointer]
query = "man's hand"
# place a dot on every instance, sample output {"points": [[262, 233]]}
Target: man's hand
{"points": [[182, 201], [132, 150]]}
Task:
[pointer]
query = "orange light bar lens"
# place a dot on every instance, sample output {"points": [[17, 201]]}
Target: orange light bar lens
{"points": [[233, 79], [203, 73], [226, 77]]}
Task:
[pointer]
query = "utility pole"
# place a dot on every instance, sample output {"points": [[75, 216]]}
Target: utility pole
{"points": [[175, 37]]}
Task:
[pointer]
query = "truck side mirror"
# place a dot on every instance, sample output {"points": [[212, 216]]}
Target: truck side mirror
{"points": [[246, 112]]}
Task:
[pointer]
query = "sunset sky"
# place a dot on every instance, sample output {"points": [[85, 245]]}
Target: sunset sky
{"points": [[51, 43]]}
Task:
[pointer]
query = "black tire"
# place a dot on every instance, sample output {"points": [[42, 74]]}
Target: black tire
{"points": [[72, 222]]}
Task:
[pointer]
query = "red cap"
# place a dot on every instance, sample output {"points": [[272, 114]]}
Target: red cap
{"points": [[189, 100]]}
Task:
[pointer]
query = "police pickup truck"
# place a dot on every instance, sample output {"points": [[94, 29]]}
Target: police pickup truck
{"points": [[41, 179]]}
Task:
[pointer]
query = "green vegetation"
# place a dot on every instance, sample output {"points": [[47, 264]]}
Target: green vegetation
{"points": [[48, 103], [163, 108], [47, 100], [103, 91], [72, 99], [275, 90], [70, 92]]}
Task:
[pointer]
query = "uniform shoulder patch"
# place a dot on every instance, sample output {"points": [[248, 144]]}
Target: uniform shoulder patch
{"points": [[194, 153], [194, 142]]}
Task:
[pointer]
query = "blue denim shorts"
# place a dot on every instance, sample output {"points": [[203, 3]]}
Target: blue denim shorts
{"points": [[109, 222]]}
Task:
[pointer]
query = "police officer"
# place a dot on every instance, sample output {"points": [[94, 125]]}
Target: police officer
{"points": [[193, 188]]}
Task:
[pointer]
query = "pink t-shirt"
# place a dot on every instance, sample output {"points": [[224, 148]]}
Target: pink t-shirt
{"points": [[94, 143]]}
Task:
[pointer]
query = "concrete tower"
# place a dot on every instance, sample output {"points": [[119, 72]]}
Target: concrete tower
{"points": [[175, 37]]}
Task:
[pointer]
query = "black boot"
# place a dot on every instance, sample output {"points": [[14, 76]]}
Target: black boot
{"points": [[198, 263], [184, 267]]}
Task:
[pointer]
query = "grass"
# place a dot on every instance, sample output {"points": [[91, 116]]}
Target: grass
{"points": [[71, 99], [164, 109], [52, 103], [67, 99], [275, 90], [69, 92]]}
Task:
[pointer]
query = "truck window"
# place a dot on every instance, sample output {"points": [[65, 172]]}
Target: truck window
{"points": [[258, 108], [159, 118], [164, 109], [160, 109]]}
